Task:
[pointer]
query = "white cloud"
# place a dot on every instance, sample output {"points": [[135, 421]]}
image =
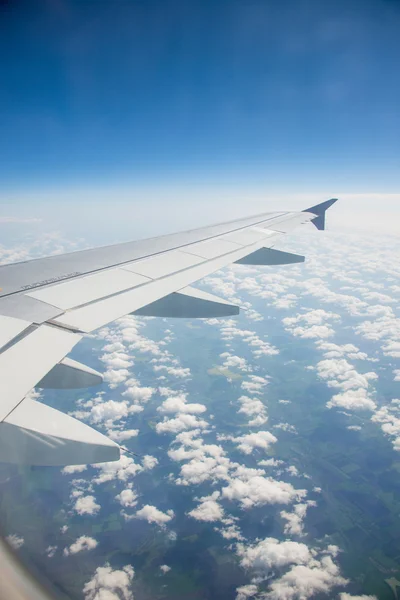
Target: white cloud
{"points": [[270, 553], [251, 441], [121, 436], [110, 584], [127, 498], [389, 418], [178, 404], [164, 569], [180, 423], [179, 372], [258, 490], [117, 360], [270, 462], [86, 505], [311, 324], [230, 532], [251, 407], [70, 469], [82, 543], [15, 541], [139, 394], [208, 510], [109, 411], [294, 520], [50, 551], [352, 400], [304, 581], [354, 386], [255, 385], [234, 362], [153, 515], [246, 591], [122, 469], [306, 576], [149, 462]]}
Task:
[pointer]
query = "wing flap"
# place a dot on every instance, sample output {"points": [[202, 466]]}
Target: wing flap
{"points": [[37, 434], [69, 375], [28, 361], [212, 248], [189, 303], [10, 327], [163, 264], [88, 288]]}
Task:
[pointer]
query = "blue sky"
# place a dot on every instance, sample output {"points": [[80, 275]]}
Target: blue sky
{"points": [[273, 96]]}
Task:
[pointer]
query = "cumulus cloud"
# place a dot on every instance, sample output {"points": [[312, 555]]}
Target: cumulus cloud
{"points": [[230, 331], [246, 591], [139, 394], [86, 505], [180, 423], [352, 400], [232, 361], [123, 469], [110, 584], [304, 581], [127, 498], [354, 386], [70, 469], [311, 324], [294, 520], [255, 384], [208, 510], [307, 575], [149, 462], [164, 569], [82, 543], [121, 436], [153, 515], [270, 553], [50, 551], [110, 411], [389, 419], [253, 407], [175, 371], [15, 541], [178, 404], [258, 490], [251, 441]]}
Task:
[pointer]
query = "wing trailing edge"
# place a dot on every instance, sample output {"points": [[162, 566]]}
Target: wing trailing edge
{"points": [[37, 434]]}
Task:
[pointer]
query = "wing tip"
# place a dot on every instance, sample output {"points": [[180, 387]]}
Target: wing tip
{"points": [[319, 211]]}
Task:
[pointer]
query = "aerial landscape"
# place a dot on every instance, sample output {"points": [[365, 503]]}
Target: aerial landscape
{"points": [[262, 443], [260, 452]]}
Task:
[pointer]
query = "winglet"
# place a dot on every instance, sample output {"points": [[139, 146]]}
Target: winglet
{"points": [[319, 210]]}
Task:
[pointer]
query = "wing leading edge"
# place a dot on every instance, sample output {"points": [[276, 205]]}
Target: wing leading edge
{"points": [[47, 305]]}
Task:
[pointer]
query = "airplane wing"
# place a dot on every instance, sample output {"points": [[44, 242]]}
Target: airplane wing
{"points": [[48, 304]]}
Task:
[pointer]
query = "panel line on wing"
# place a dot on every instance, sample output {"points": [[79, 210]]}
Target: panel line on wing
{"points": [[78, 275]]}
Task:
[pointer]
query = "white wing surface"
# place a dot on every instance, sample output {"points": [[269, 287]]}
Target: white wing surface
{"points": [[47, 305]]}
